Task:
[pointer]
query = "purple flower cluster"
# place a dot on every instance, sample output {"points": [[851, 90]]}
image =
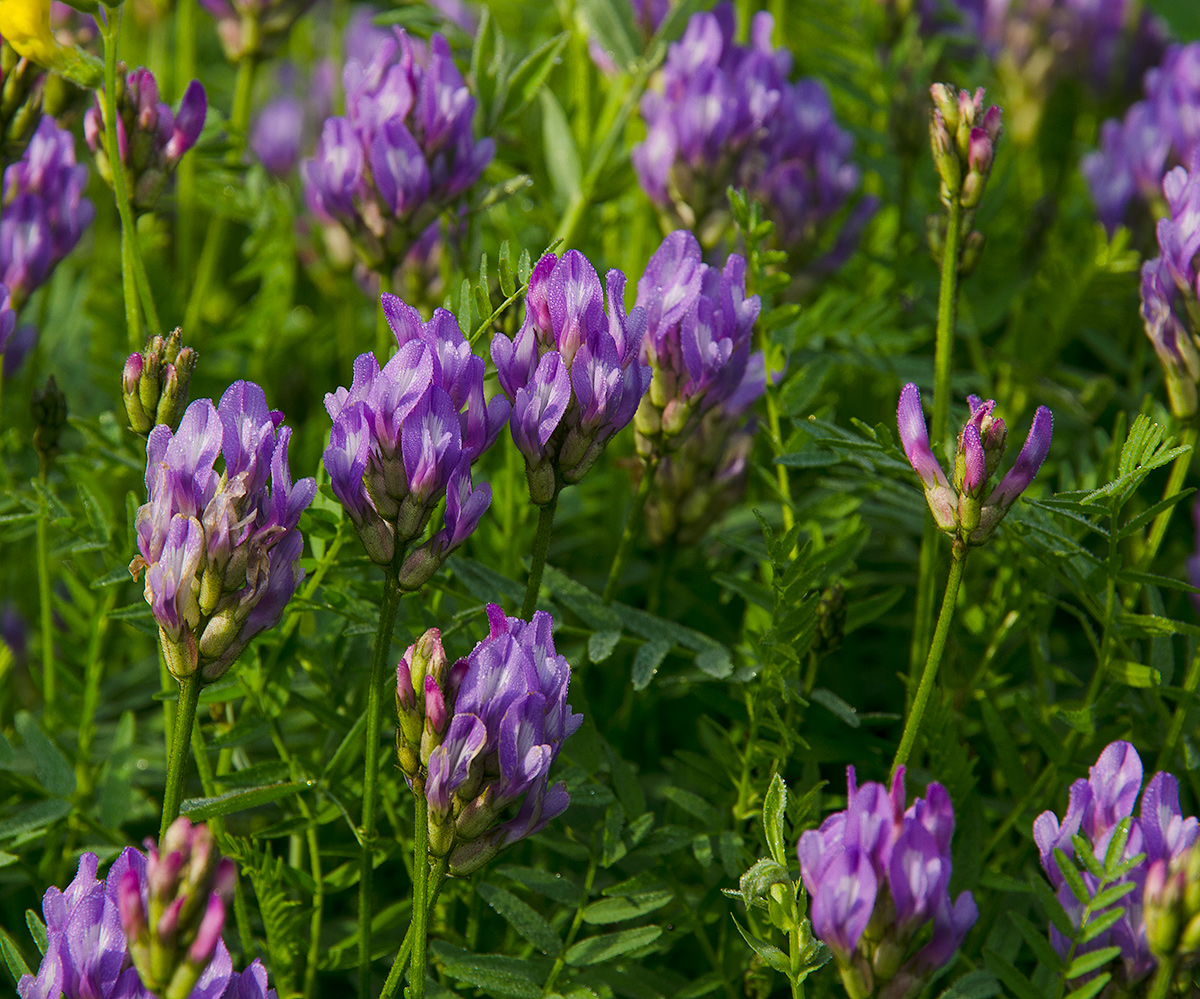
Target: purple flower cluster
{"points": [[404, 152], [1161, 131], [1171, 290], [877, 865], [961, 508], [150, 138], [699, 324], [572, 371], [726, 114], [44, 211], [405, 436], [963, 137], [220, 549], [87, 957], [1096, 806], [486, 733], [254, 29]]}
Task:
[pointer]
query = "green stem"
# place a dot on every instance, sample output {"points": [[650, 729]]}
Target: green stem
{"points": [[942, 362], [49, 671], [239, 122], [1161, 986], [185, 716], [93, 674], [913, 725], [541, 547], [396, 975], [633, 525], [1167, 756], [560, 962], [794, 959], [383, 643], [420, 912], [131, 258]]}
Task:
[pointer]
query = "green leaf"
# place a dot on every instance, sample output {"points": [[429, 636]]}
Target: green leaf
{"points": [[347, 752], [37, 930], [562, 156], [1092, 960], [35, 816], [646, 661], [508, 280], [1101, 923], [522, 918], [1037, 940], [1053, 907], [775, 959], [1134, 674], [53, 771], [527, 81], [12, 956], [1012, 979], [602, 643], [774, 815], [973, 985], [616, 910], [1113, 894], [496, 974], [237, 801], [831, 702], [1091, 988], [1071, 876], [594, 950], [611, 24], [553, 886]]}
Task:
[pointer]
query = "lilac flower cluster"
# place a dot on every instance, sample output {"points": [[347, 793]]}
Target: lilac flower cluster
{"points": [[404, 152], [220, 549], [961, 509], [877, 874], [963, 137], [726, 114], [254, 29], [406, 435], [571, 372], [150, 138], [698, 337], [1171, 290], [485, 734], [1161, 131], [1095, 808], [44, 211], [87, 956]]}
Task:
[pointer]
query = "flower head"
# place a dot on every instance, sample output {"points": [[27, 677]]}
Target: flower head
{"points": [[878, 864], [154, 383], [405, 436], [151, 139], [44, 211], [966, 508], [572, 371], [1096, 807], [219, 549], [491, 728]]}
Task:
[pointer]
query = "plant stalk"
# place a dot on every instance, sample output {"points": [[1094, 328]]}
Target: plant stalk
{"points": [[1161, 987], [181, 738], [396, 975], [541, 547], [49, 667], [633, 526], [420, 912], [913, 725], [383, 643]]}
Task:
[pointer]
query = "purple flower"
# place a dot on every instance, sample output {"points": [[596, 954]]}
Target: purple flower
{"points": [[1163, 130], [877, 863], [219, 548], [151, 138], [1096, 807], [404, 152], [44, 211], [87, 956], [726, 114], [964, 138], [961, 509], [572, 371], [488, 768], [254, 29], [405, 436], [277, 133]]}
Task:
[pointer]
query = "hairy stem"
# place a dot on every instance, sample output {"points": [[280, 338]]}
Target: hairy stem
{"points": [[633, 525], [1161, 986], [420, 913], [181, 737], [383, 643], [541, 547], [560, 962], [913, 725], [396, 975]]}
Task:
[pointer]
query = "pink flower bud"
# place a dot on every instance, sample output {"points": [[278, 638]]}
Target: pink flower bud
{"points": [[209, 933]]}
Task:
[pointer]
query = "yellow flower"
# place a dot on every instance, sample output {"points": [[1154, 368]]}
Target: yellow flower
{"points": [[25, 25]]}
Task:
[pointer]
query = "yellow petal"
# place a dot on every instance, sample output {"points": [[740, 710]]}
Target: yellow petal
{"points": [[25, 25]]}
